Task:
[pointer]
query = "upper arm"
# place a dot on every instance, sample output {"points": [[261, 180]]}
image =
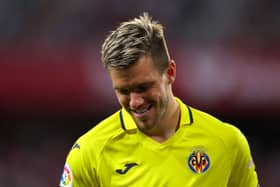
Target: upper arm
{"points": [[78, 170], [243, 169]]}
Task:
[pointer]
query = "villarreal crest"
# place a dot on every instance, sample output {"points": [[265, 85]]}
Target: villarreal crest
{"points": [[198, 161]]}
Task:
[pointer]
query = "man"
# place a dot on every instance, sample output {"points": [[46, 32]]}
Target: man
{"points": [[154, 140]]}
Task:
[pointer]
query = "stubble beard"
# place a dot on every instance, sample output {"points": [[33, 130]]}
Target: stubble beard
{"points": [[154, 123]]}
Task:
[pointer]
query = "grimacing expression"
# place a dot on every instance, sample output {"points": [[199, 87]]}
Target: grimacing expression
{"points": [[143, 91]]}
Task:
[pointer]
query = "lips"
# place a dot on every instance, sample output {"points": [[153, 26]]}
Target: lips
{"points": [[141, 112]]}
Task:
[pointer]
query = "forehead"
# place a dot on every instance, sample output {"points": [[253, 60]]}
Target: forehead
{"points": [[140, 72]]}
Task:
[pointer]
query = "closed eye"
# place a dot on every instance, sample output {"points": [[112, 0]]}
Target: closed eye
{"points": [[139, 88], [123, 91], [142, 88]]}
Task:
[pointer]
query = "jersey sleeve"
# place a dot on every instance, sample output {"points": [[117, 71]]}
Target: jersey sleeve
{"points": [[243, 171], [78, 171]]}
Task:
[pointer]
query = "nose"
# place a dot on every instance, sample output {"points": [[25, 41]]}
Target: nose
{"points": [[136, 100]]}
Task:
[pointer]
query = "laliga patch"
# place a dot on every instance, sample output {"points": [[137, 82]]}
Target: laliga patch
{"points": [[199, 162], [67, 177]]}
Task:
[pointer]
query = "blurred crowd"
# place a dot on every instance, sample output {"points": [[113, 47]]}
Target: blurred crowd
{"points": [[47, 21], [34, 147]]}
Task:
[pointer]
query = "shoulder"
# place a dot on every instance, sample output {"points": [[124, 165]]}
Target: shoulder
{"points": [[228, 133], [229, 140], [82, 160], [101, 133], [88, 146]]}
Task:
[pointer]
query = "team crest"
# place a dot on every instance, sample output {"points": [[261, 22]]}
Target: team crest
{"points": [[66, 178], [199, 161]]}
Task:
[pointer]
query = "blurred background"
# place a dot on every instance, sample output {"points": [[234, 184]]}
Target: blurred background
{"points": [[53, 87]]}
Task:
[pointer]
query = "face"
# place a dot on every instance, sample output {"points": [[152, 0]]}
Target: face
{"points": [[144, 92]]}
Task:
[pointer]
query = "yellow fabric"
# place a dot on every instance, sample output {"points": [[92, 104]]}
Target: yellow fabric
{"points": [[203, 152]]}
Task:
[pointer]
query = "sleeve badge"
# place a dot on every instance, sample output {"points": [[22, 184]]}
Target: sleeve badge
{"points": [[66, 177]]}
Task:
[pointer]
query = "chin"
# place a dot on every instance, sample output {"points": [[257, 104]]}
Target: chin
{"points": [[146, 127]]}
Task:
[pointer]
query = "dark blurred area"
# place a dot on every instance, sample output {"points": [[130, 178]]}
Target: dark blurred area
{"points": [[53, 87]]}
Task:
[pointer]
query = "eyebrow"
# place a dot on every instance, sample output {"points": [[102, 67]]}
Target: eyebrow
{"points": [[148, 83]]}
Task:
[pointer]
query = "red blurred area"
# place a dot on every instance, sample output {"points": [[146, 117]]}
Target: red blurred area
{"points": [[70, 81], [34, 80]]}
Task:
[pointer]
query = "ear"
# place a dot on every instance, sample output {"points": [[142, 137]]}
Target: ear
{"points": [[171, 71]]}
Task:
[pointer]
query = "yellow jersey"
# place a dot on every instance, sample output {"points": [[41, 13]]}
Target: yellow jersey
{"points": [[203, 152]]}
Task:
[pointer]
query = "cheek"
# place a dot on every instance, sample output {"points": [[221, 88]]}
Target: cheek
{"points": [[123, 100], [159, 91]]}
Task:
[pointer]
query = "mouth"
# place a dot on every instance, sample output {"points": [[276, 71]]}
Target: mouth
{"points": [[141, 112]]}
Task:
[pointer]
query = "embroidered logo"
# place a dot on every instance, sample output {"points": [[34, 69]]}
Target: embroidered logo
{"points": [[127, 167], [199, 161], [76, 146]]}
